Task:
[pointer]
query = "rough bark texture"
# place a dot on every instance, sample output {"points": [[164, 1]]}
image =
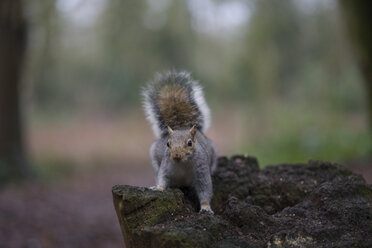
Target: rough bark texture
{"points": [[358, 19], [12, 47], [317, 204]]}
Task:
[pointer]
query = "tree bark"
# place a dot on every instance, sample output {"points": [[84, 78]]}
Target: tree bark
{"points": [[12, 49], [358, 19]]}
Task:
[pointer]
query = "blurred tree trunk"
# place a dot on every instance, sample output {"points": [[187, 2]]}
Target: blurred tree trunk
{"points": [[12, 47], [47, 22], [358, 17]]}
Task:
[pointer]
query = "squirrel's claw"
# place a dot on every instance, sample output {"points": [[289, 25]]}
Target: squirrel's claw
{"points": [[206, 208], [157, 188], [206, 211]]}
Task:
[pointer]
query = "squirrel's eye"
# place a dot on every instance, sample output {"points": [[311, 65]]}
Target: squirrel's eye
{"points": [[168, 144], [189, 143]]}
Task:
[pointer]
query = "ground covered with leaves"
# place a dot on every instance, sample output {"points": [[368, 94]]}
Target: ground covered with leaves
{"points": [[70, 212]]}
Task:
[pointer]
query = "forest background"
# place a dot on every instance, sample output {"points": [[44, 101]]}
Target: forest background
{"points": [[281, 78]]}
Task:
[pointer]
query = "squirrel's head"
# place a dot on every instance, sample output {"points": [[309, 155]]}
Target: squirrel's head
{"points": [[181, 143]]}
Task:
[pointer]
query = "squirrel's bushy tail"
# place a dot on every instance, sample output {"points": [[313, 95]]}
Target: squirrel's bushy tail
{"points": [[174, 99]]}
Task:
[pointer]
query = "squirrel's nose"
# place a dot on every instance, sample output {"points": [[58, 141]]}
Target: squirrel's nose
{"points": [[177, 157]]}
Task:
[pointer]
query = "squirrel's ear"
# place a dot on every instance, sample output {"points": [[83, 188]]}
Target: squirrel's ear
{"points": [[170, 131], [193, 130]]}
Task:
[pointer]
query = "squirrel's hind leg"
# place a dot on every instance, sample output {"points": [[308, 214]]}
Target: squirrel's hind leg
{"points": [[214, 159]]}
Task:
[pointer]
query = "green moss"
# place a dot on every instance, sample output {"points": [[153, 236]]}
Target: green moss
{"points": [[140, 207], [365, 191], [156, 208], [173, 239]]}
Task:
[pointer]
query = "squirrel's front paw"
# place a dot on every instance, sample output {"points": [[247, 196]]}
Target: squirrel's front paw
{"points": [[206, 208], [157, 187]]}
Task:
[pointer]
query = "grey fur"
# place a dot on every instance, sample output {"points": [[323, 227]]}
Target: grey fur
{"points": [[181, 164], [195, 169]]}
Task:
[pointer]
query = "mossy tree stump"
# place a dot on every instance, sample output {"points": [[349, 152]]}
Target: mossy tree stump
{"points": [[317, 204]]}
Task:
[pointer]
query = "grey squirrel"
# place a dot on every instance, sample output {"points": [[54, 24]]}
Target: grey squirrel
{"points": [[182, 155]]}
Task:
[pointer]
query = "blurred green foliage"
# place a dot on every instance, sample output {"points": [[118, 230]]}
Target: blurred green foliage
{"points": [[310, 133], [51, 168], [285, 63]]}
